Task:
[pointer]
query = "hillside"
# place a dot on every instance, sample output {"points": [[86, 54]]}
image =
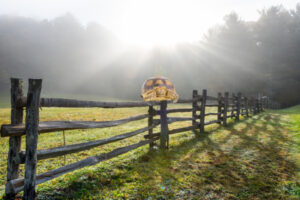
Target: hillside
{"points": [[257, 158]]}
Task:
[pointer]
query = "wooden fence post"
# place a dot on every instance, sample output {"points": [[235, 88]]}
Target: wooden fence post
{"points": [[194, 110], [258, 109], [219, 107], [164, 131], [252, 106], [202, 112], [233, 105], [225, 108], [238, 106], [256, 106], [16, 93], [246, 107], [150, 123], [31, 129], [260, 102]]}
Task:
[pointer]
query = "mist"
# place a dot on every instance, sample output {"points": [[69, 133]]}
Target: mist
{"points": [[73, 59]]}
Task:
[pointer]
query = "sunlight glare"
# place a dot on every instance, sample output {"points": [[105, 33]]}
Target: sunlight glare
{"points": [[157, 23]]}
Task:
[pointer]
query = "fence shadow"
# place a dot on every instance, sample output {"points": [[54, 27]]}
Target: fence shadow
{"points": [[245, 163]]}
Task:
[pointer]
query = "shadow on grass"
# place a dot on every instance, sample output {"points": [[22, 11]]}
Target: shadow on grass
{"points": [[245, 160]]}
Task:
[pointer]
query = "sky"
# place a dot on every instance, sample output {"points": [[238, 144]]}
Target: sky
{"points": [[145, 22]]}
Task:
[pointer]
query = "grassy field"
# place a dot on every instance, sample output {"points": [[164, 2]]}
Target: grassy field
{"points": [[257, 158], [4, 101]]}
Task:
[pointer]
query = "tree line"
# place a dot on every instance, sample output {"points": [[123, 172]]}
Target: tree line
{"points": [[249, 56]]}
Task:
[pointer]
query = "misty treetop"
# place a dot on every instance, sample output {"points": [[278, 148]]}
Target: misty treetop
{"points": [[247, 56]]}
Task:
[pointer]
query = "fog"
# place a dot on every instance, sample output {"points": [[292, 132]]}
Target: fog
{"points": [[73, 59]]}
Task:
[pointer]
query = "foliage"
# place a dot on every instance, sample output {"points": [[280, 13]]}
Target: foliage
{"points": [[262, 53], [72, 58]]}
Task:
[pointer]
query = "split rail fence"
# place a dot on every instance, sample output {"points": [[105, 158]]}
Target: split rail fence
{"points": [[227, 107]]}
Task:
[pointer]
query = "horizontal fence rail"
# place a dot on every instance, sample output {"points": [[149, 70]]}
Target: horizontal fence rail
{"points": [[63, 150], [212, 122], [17, 185], [73, 103], [225, 106], [179, 110], [171, 132], [51, 126]]}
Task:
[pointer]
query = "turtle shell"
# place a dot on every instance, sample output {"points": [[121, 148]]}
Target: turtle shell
{"points": [[159, 89]]}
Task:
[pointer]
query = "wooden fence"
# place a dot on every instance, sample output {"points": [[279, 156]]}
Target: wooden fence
{"points": [[227, 107]]}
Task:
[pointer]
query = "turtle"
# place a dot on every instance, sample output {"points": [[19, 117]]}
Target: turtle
{"points": [[159, 88]]}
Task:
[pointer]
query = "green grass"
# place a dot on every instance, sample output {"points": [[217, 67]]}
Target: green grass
{"points": [[256, 158], [4, 101]]}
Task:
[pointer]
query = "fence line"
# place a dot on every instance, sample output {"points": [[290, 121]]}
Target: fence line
{"points": [[227, 107]]}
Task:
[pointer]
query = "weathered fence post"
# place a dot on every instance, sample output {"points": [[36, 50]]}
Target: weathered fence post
{"points": [[238, 106], [252, 101], [219, 107], [16, 94], [233, 106], [150, 123], [265, 103], [164, 135], [246, 107], [225, 108], [254, 106], [256, 110], [194, 110], [258, 105], [202, 112], [31, 129]]}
